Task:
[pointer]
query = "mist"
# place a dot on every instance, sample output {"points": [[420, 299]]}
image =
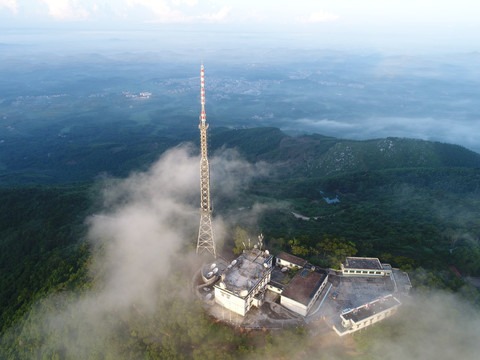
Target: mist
{"points": [[431, 129], [143, 258], [138, 302], [432, 325]]}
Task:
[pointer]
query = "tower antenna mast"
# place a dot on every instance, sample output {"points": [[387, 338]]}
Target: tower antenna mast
{"points": [[205, 241]]}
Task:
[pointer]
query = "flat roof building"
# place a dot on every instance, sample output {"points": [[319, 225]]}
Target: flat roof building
{"points": [[243, 282], [368, 314], [363, 266], [303, 290]]}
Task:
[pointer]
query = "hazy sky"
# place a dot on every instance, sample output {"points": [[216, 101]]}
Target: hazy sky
{"points": [[409, 23], [347, 12]]}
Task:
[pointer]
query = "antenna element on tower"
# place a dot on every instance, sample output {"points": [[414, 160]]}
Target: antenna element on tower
{"points": [[205, 241]]}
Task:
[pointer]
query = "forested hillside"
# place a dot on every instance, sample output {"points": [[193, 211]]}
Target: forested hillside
{"points": [[414, 204], [41, 248], [317, 155]]}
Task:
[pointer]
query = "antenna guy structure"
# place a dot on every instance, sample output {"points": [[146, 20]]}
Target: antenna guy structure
{"points": [[205, 243]]}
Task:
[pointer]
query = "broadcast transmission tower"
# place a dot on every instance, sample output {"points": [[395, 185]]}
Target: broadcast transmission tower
{"points": [[205, 241]]}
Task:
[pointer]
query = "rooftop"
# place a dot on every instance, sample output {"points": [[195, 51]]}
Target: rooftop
{"points": [[279, 278], [304, 285], [246, 271], [292, 258], [375, 307], [362, 263]]}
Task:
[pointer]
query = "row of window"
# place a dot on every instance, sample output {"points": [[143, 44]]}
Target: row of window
{"points": [[226, 295], [382, 315], [370, 272]]}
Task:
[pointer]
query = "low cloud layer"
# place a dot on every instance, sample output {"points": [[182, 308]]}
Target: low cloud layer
{"points": [[438, 326], [443, 130], [144, 234]]}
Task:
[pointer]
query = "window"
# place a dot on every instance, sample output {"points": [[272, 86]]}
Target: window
{"points": [[378, 273], [365, 271], [359, 272]]}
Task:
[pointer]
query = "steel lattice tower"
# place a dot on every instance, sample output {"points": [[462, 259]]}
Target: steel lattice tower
{"points": [[205, 241]]}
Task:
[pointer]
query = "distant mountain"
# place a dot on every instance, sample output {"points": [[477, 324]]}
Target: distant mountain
{"points": [[317, 155]]}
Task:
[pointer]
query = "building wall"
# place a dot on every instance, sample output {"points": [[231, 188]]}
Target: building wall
{"points": [[281, 262], [274, 289], [230, 301], [257, 302], [239, 304], [365, 272], [317, 294], [299, 308], [294, 305], [353, 326]]}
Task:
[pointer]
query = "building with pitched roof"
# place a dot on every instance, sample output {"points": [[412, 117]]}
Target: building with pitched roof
{"points": [[288, 260]]}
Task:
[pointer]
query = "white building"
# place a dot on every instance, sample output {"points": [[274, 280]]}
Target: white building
{"points": [[366, 315], [243, 282], [303, 290], [290, 261], [362, 266]]}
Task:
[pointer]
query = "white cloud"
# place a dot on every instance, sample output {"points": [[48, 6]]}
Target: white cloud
{"points": [[66, 9], [323, 125], [12, 5], [188, 2], [162, 11], [165, 12], [257, 16], [218, 16], [316, 17], [433, 129]]}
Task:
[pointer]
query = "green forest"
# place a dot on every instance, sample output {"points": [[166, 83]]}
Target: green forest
{"points": [[417, 210]]}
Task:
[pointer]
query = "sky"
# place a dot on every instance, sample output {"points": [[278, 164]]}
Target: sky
{"points": [[411, 23], [280, 12]]}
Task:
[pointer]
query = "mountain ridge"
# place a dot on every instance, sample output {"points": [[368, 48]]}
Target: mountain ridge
{"points": [[318, 155], [117, 150]]}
